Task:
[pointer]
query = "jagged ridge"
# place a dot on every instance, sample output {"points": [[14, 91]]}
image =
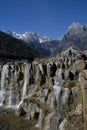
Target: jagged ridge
{"points": [[76, 36]]}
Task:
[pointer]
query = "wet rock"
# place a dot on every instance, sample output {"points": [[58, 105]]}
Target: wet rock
{"points": [[76, 74], [65, 125], [48, 122], [21, 112], [56, 122], [51, 69], [66, 75], [40, 76], [44, 94], [23, 108], [49, 90], [71, 75], [77, 96], [21, 76]]}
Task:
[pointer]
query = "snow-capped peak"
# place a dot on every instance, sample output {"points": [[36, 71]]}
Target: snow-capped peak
{"points": [[77, 29], [29, 36], [74, 25]]}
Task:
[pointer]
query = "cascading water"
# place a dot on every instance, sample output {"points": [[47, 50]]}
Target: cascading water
{"points": [[14, 80], [58, 89], [41, 68], [3, 76], [61, 96], [65, 96], [57, 92], [26, 80], [48, 69], [48, 122], [13, 101], [10, 98], [10, 91]]}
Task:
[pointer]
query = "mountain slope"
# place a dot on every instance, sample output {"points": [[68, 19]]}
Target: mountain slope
{"points": [[33, 39], [76, 36], [42, 43], [12, 49], [29, 37]]}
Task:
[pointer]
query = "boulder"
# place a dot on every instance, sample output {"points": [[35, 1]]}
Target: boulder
{"points": [[85, 74], [79, 65]]}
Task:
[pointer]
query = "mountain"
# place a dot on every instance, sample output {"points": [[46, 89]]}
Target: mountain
{"points": [[33, 39], [29, 37], [76, 35], [13, 49], [44, 44]]}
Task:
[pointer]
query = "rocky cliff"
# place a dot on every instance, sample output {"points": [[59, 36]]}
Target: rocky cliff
{"points": [[47, 91]]}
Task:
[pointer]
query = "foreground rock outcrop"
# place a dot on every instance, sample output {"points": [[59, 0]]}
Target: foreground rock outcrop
{"points": [[47, 91]]}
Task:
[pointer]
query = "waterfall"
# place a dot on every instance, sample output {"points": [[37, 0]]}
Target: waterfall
{"points": [[3, 76], [48, 121], [10, 99], [26, 80], [10, 92], [58, 89], [65, 96], [57, 94], [48, 69], [15, 80], [41, 68]]}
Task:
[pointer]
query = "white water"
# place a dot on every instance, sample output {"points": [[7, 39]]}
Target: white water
{"points": [[57, 89], [41, 68], [9, 104], [26, 80], [58, 76], [15, 80], [61, 126], [65, 96], [10, 97], [10, 94], [3, 76], [11, 83], [49, 68], [61, 94], [48, 121], [57, 94]]}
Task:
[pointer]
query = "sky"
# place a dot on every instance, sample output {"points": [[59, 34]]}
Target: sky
{"points": [[47, 17]]}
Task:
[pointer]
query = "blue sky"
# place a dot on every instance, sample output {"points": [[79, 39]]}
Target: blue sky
{"points": [[48, 17]]}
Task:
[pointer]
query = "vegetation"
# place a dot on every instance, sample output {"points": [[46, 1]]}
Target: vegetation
{"points": [[14, 49]]}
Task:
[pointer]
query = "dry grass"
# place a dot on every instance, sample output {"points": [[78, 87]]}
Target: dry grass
{"points": [[8, 117]]}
